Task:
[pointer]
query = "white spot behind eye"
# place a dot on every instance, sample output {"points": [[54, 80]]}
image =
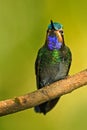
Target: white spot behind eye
{"points": [[61, 31]]}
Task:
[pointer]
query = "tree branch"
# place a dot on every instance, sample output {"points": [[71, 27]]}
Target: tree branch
{"points": [[37, 97]]}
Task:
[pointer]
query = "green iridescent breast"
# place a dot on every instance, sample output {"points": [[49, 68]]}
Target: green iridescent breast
{"points": [[49, 57]]}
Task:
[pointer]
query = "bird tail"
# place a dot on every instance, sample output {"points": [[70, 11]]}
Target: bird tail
{"points": [[46, 107]]}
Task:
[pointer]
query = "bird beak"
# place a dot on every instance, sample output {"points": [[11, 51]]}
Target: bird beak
{"points": [[52, 24]]}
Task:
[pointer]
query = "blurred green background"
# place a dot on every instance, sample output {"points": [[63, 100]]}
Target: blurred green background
{"points": [[23, 25]]}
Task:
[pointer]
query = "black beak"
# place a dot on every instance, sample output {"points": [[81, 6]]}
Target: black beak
{"points": [[52, 24]]}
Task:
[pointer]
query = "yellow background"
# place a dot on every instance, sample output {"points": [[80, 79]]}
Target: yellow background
{"points": [[23, 25]]}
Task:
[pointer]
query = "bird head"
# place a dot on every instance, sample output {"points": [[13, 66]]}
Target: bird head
{"points": [[55, 38]]}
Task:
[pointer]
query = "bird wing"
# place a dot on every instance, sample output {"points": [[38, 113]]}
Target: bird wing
{"points": [[37, 70]]}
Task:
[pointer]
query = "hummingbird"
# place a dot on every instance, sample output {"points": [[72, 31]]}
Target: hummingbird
{"points": [[52, 63]]}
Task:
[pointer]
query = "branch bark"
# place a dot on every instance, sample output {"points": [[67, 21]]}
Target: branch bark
{"points": [[37, 97]]}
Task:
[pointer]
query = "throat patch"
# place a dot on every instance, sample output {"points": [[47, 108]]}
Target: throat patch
{"points": [[53, 43]]}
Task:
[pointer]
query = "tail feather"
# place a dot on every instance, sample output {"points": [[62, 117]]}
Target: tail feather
{"points": [[37, 109], [46, 107]]}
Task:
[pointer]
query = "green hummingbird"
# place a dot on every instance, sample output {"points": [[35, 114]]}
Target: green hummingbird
{"points": [[52, 63]]}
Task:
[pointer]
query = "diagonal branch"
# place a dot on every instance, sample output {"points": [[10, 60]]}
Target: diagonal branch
{"points": [[52, 91]]}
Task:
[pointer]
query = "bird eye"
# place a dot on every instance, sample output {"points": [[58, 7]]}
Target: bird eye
{"points": [[61, 31], [48, 30]]}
